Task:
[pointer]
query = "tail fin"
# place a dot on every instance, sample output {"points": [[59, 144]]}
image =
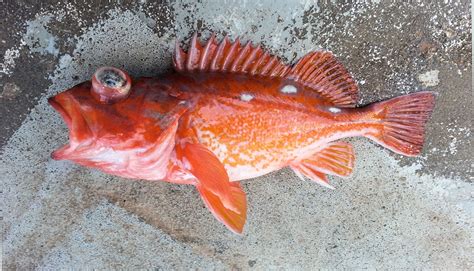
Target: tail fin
{"points": [[403, 122]]}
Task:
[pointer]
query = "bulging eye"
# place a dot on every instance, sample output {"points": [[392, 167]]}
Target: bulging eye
{"points": [[110, 85]]}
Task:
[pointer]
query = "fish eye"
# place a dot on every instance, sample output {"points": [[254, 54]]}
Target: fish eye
{"points": [[110, 85]]}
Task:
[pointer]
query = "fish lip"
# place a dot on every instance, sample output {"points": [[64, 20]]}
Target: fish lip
{"points": [[60, 109], [59, 153]]}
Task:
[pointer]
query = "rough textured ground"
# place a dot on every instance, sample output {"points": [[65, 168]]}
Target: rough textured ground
{"points": [[394, 212]]}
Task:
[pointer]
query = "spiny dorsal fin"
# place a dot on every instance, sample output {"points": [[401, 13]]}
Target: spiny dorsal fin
{"points": [[319, 71], [322, 72], [232, 57]]}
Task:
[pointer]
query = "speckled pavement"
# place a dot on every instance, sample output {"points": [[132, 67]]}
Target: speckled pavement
{"points": [[392, 213]]}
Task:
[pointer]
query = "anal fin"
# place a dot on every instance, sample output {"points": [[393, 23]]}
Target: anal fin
{"points": [[336, 158], [313, 175]]}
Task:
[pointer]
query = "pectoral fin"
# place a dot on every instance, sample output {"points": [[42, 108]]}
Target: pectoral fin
{"points": [[234, 218], [226, 200], [337, 158]]}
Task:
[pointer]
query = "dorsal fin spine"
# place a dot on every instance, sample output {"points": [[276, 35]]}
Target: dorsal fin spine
{"points": [[276, 70], [179, 57], [193, 54], [256, 52], [215, 66], [267, 68], [234, 48], [208, 52], [259, 62], [242, 54], [319, 71]]}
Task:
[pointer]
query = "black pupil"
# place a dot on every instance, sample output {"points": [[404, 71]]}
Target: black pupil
{"points": [[111, 79]]}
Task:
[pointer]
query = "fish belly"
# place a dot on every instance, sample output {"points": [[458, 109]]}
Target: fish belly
{"points": [[252, 143]]}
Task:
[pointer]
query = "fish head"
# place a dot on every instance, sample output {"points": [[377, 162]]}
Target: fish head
{"points": [[113, 123]]}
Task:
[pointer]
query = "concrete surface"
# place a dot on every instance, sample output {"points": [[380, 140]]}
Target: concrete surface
{"points": [[393, 213]]}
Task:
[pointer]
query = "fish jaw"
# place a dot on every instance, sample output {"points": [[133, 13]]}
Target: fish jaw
{"points": [[79, 131], [100, 137]]}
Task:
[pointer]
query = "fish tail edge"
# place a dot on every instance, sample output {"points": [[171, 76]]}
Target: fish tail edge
{"points": [[403, 122]]}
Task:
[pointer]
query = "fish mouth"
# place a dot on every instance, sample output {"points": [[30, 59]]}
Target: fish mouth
{"points": [[79, 131], [60, 109]]}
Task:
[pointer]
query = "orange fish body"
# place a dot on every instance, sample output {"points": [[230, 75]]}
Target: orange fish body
{"points": [[231, 113]]}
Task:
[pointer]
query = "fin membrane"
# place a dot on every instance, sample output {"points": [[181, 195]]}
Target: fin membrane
{"points": [[234, 220], [404, 119], [226, 200], [322, 72], [227, 56], [319, 71], [337, 158]]}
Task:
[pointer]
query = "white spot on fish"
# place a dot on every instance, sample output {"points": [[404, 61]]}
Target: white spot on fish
{"points": [[289, 89], [246, 97], [334, 110]]}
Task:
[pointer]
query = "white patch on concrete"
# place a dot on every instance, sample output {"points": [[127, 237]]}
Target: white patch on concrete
{"points": [[246, 97], [9, 61], [429, 78], [38, 38], [289, 89], [334, 110]]}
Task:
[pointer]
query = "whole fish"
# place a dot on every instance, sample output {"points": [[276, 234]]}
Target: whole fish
{"points": [[231, 112]]}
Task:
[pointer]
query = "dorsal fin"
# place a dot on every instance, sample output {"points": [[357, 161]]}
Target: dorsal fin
{"points": [[319, 71], [322, 72], [232, 57]]}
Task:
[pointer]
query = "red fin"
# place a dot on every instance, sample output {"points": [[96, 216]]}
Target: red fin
{"points": [[234, 219], [228, 56], [226, 200], [404, 119], [314, 175], [319, 70], [208, 53], [337, 158], [322, 72], [208, 170], [194, 53], [179, 58]]}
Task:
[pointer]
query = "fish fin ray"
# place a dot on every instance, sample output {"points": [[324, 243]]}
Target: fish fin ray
{"points": [[233, 219], [403, 122], [208, 170], [231, 57], [322, 72], [337, 158], [314, 175], [199, 166]]}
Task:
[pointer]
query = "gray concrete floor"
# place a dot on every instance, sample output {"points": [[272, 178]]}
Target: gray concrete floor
{"points": [[393, 212]]}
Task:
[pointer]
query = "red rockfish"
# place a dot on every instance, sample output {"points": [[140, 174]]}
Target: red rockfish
{"points": [[231, 112]]}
